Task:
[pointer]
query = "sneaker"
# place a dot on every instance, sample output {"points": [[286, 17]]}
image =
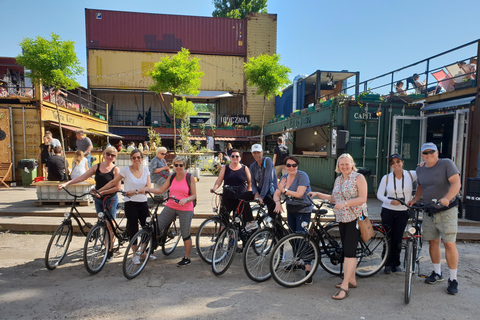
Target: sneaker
{"points": [[252, 225], [434, 277], [397, 269], [185, 262], [452, 286], [110, 256], [136, 259], [387, 270], [309, 280], [152, 257]]}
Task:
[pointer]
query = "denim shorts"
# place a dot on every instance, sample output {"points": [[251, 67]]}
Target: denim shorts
{"points": [[112, 208], [441, 225]]}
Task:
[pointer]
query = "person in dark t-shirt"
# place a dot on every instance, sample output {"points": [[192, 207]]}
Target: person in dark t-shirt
{"points": [[56, 166]]}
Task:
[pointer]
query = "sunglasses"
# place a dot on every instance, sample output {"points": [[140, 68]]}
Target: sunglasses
{"points": [[290, 165], [178, 165], [111, 155], [428, 152], [234, 156], [163, 154], [136, 158]]}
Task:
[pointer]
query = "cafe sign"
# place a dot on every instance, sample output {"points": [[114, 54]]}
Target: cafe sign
{"points": [[237, 119]]}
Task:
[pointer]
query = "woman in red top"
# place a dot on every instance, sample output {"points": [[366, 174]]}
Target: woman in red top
{"points": [[179, 189]]}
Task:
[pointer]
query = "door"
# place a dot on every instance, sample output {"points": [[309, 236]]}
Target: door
{"points": [[5, 139], [460, 143], [408, 134]]}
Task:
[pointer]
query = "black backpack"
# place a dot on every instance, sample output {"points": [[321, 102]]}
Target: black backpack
{"points": [[188, 183], [283, 153]]}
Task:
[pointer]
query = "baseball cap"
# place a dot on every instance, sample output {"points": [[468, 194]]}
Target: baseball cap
{"points": [[257, 148], [393, 156], [429, 146]]}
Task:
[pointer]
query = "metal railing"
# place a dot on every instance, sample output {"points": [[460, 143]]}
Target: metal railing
{"points": [[81, 101]]}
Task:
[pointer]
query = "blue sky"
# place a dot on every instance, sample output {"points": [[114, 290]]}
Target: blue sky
{"points": [[370, 36]]}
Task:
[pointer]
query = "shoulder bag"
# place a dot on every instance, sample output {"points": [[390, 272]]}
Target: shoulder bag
{"points": [[365, 226]]}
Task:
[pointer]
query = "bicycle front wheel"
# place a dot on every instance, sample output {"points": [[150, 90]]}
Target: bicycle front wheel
{"points": [[289, 258], [58, 246], [256, 255], [136, 256], [96, 248], [224, 251], [409, 270], [331, 258], [372, 255], [207, 236], [171, 238]]}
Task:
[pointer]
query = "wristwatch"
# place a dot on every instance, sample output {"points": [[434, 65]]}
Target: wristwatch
{"points": [[136, 191], [285, 192], [345, 203]]}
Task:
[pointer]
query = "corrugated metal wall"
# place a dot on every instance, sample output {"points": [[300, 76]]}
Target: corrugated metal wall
{"points": [[128, 70], [133, 31], [262, 38]]}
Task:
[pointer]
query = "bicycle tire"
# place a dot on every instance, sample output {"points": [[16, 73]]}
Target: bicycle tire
{"points": [[256, 254], [207, 236], [331, 257], [143, 241], [288, 259], [171, 238], [409, 253], [58, 246], [224, 251], [372, 255], [96, 248]]}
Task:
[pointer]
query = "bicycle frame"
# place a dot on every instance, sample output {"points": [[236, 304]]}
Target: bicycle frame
{"points": [[76, 214]]}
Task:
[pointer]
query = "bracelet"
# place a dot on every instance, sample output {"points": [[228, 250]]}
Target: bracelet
{"points": [[278, 201]]}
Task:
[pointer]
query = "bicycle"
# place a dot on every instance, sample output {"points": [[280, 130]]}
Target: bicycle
{"points": [[226, 243], [98, 242], [413, 244], [60, 241], [321, 245], [149, 238]]}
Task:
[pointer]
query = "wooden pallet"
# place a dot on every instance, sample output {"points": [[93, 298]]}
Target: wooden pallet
{"points": [[40, 203]]}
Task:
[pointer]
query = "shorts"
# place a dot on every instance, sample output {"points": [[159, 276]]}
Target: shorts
{"points": [[110, 202], [441, 225]]}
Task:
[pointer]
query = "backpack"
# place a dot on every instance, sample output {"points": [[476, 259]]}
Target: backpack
{"points": [[283, 153], [188, 183]]}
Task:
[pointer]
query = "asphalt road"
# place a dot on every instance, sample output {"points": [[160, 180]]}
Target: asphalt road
{"points": [[163, 291]]}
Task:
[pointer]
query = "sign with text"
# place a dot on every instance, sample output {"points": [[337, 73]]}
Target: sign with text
{"points": [[236, 119]]}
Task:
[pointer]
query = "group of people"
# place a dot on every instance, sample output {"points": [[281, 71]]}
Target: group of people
{"points": [[131, 146], [436, 178]]}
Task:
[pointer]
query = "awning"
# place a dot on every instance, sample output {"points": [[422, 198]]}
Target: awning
{"points": [[134, 138], [232, 138], [66, 127], [448, 104], [198, 138], [103, 133]]}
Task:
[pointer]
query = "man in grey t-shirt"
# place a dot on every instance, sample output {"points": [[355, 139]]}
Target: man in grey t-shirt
{"points": [[439, 179], [84, 144]]}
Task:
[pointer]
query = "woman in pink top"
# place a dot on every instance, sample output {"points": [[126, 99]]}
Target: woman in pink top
{"points": [[179, 188]]}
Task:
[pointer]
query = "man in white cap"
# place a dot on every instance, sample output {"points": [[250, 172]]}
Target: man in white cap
{"points": [[439, 179]]}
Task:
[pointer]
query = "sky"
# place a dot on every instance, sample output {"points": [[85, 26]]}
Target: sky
{"points": [[370, 36]]}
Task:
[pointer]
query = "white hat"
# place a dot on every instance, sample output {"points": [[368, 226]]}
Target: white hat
{"points": [[257, 148]]}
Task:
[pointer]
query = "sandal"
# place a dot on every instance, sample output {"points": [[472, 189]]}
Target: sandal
{"points": [[350, 285], [336, 295]]}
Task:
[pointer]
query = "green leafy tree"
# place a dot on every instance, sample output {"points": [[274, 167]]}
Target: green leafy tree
{"points": [[268, 75], [51, 63], [178, 75], [238, 9]]}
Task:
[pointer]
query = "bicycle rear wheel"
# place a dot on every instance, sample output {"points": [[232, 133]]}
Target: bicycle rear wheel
{"points": [[171, 238], [289, 258], [331, 258], [409, 270], [224, 251], [207, 236], [96, 248], [58, 246], [372, 255], [136, 256], [256, 254]]}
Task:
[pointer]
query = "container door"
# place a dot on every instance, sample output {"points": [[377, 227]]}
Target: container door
{"points": [[5, 140], [408, 134], [460, 141]]}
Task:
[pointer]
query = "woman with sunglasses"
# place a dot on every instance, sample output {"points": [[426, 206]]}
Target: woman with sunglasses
{"points": [[104, 173], [235, 175], [397, 184], [185, 192], [159, 170], [296, 185], [135, 177]]}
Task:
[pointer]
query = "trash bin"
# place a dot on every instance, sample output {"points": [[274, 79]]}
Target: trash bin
{"points": [[29, 170], [472, 199]]}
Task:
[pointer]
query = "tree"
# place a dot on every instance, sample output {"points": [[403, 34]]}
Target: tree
{"points": [[51, 63], [238, 8], [178, 75], [268, 75]]}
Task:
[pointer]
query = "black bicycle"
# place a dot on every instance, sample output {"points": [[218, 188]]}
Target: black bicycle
{"points": [[60, 241], [149, 238], [321, 244], [98, 242]]}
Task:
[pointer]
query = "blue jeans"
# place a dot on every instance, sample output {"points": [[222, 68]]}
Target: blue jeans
{"points": [[295, 221], [89, 160], [111, 203]]}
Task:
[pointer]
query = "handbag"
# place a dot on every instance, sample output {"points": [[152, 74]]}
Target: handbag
{"points": [[365, 226]]}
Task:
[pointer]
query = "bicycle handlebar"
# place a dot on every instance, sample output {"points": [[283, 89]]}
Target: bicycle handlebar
{"points": [[324, 202], [415, 206], [162, 200], [76, 196]]}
